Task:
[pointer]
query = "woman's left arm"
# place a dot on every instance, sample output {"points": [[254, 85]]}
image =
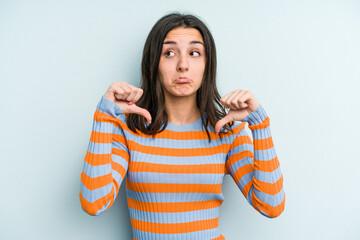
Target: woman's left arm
{"points": [[254, 166]]}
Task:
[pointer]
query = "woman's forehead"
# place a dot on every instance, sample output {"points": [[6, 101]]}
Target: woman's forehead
{"points": [[184, 33]]}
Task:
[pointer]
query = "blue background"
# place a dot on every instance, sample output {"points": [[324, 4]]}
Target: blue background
{"points": [[301, 59]]}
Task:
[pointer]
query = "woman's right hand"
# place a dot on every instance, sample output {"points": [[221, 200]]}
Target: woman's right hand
{"points": [[125, 96]]}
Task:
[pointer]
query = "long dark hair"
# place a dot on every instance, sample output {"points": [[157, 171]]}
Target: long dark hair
{"points": [[153, 98]]}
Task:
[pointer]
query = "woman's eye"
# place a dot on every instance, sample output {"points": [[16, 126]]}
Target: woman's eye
{"points": [[198, 54], [171, 53], [168, 53]]}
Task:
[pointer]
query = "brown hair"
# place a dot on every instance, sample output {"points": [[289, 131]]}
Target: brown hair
{"points": [[153, 98]]}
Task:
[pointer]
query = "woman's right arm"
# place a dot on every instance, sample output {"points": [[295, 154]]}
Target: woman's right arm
{"points": [[107, 158]]}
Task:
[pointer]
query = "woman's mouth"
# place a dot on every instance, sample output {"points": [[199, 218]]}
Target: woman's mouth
{"points": [[182, 80]]}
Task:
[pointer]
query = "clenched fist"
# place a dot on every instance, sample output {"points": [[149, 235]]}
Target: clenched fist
{"points": [[241, 103], [125, 96]]}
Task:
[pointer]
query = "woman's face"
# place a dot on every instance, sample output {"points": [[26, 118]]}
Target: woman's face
{"points": [[182, 62]]}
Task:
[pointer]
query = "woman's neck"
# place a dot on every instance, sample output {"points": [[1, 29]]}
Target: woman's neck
{"points": [[182, 110]]}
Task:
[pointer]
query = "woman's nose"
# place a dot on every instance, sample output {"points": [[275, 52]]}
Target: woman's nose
{"points": [[183, 64]]}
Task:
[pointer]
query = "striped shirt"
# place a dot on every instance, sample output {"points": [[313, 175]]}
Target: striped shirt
{"points": [[173, 181]]}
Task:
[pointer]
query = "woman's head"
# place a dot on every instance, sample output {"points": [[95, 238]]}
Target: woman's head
{"points": [[155, 42], [182, 63], [153, 98]]}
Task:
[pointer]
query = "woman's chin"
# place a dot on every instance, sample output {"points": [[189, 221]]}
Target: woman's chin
{"points": [[181, 91], [183, 94]]}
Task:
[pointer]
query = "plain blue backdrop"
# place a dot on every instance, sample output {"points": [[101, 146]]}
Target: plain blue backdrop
{"points": [[301, 59]]}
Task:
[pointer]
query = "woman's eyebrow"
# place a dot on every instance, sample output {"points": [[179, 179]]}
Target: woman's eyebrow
{"points": [[192, 42]]}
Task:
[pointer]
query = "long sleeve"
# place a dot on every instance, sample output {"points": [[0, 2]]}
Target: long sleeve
{"points": [[255, 168], [106, 160]]}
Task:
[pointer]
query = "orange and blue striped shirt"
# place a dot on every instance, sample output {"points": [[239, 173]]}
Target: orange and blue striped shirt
{"points": [[173, 181]]}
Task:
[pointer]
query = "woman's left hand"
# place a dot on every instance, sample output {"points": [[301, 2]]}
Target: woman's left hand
{"points": [[241, 104]]}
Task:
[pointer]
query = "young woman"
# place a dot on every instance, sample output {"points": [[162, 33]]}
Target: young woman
{"points": [[173, 141]]}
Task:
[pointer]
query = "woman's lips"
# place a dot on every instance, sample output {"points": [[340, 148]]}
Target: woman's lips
{"points": [[182, 80]]}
